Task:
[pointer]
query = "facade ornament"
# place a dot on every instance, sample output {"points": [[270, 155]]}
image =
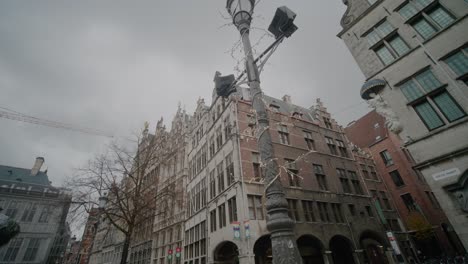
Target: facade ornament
{"points": [[462, 199], [381, 106]]}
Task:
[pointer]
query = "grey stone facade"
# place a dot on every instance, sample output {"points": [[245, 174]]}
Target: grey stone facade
{"points": [[418, 50], [27, 196]]}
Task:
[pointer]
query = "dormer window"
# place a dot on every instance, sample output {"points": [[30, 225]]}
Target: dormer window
{"points": [[297, 114], [274, 108]]}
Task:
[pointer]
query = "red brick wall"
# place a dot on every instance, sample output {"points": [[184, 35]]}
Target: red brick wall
{"points": [[363, 133]]}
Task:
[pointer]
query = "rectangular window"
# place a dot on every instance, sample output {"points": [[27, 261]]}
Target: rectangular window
{"points": [[342, 148], [337, 213], [369, 211], [45, 214], [227, 128], [12, 209], [385, 201], [12, 250], [424, 28], [255, 207], [408, 11], [458, 62], [229, 169], [323, 211], [398, 45], [232, 207], [384, 54], [257, 170], [364, 171], [373, 173], [293, 211], [331, 145], [357, 187], [396, 178], [409, 202], [283, 134], [213, 220], [344, 180], [219, 138], [29, 212], [394, 225], [293, 173], [441, 17], [429, 21], [386, 157], [321, 178], [31, 251], [222, 215], [327, 122], [220, 177], [428, 115], [309, 140], [212, 147], [388, 44], [449, 108], [308, 207], [212, 184]]}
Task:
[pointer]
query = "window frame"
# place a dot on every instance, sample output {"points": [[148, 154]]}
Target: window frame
{"points": [[424, 13], [283, 133], [384, 41], [400, 179]]}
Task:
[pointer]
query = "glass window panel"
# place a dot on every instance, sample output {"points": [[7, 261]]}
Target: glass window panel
{"points": [[385, 28], [427, 80], [458, 62], [399, 45], [372, 38], [407, 11], [385, 55], [448, 106], [441, 17], [411, 90], [424, 3], [428, 115], [424, 28]]}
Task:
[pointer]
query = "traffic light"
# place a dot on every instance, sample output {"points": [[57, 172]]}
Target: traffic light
{"points": [[178, 251], [169, 254], [224, 84]]}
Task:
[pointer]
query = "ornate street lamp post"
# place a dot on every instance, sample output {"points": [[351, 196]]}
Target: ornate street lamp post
{"points": [[279, 224]]}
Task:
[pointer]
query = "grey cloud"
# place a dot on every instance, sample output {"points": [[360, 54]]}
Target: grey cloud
{"points": [[111, 65]]}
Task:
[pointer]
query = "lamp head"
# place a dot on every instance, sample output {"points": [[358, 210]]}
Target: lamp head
{"points": [[102, 202], [224, 84], [283, 23], [241, 11]]}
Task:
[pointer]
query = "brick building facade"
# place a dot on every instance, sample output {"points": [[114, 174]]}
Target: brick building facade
{"points": [[412, 195], [336, 219]]}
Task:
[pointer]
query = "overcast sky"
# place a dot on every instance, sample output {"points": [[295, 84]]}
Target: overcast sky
{"points": [[111, 65]]}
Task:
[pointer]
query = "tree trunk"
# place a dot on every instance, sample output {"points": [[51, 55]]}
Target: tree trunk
{"points": [[126, 246]]}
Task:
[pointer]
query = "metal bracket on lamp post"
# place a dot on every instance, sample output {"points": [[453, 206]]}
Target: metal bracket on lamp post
{"points": [[279, 224]]}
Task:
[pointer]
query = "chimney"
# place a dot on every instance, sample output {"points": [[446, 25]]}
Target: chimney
{"points": [[37, 166], [287, 99]]}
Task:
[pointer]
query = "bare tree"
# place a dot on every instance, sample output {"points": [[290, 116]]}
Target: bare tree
{"points": [[128, 178]]}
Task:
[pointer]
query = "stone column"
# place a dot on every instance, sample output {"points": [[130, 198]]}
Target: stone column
{"points": [[389, 254], [327, 257], [246, 259], [359, 256]]}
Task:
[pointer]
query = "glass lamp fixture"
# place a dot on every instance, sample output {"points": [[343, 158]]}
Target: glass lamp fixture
{"points": [[241, 11]]}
